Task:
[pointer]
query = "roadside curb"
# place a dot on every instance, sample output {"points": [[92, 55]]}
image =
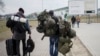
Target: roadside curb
{"points": [[87, 47]]}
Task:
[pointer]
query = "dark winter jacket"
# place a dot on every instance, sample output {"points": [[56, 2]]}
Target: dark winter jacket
{"points": [[73, 19], [20, 36]]}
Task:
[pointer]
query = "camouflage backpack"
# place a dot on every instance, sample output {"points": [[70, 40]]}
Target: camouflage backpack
{"points": [[50, 27], [64, 27], [46, 24], [66, 33]]}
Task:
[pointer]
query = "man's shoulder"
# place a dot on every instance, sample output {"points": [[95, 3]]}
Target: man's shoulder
{"points": [[19, 14], [54, 17]]}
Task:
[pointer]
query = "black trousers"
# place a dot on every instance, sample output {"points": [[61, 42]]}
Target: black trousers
{"points": [[73, 23], [16, 47]]}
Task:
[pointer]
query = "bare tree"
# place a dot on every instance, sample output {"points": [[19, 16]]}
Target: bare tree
{"points": [[2, 5]]}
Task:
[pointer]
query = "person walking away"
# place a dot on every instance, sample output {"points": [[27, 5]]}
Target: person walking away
{"points": [[78, 21], [17, 36], [73, 20], [54, 38]]}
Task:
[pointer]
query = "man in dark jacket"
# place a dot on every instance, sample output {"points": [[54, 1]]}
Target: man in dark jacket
{"points": [[20, 36], [73, 20], [54, 38]]}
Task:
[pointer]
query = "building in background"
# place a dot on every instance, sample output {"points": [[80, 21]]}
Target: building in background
{"points": [[84, 18], [99, 11], [61, 12], [76, 7]]}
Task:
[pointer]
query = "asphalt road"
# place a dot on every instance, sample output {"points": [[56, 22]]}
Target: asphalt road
{"points": [[89, 34], [42, 46]]}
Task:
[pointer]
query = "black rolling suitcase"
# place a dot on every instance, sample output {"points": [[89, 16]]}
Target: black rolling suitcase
{"points": [[9, 47]]}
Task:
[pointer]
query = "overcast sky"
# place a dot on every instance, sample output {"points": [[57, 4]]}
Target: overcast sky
{"points": [[31, 6]]}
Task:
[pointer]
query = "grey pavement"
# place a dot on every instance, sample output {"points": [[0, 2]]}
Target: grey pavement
{"points": [[42, 47], [89, 34]]}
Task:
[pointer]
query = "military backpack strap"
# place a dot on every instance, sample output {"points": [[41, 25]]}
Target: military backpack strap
{"points": [[42, 37]]}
